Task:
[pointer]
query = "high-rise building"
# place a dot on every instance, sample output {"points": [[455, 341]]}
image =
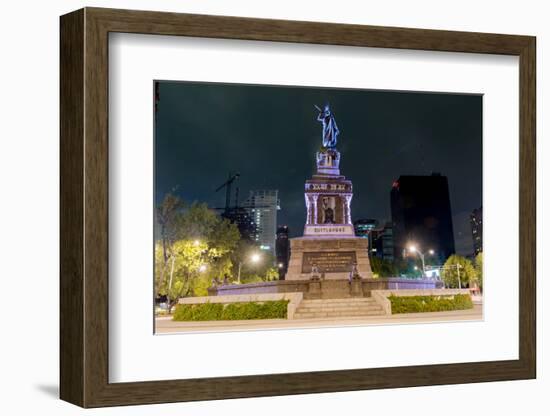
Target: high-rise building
{"points": [[282, 250], [363, 227], [382, 242], [421, 215], [262, 206], [366, 228], [476, 224], [241, 218]]}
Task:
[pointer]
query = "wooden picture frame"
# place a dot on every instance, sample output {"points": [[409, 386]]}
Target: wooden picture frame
{"points": [[84, 207]]}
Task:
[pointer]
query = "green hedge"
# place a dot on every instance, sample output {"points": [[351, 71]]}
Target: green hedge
{"points": [[273, 309], [436, 303]]}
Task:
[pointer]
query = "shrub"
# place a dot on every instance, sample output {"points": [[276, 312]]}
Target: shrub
{"points": [[276, 309], [201, 312], [435, 303]]}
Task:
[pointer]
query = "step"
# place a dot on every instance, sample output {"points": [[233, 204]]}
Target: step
{"points": [[305, 315], [338, 305], [350, 301], [339, 309]]}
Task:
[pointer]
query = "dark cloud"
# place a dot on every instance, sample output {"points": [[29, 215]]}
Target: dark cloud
{"points": [[270, 134]]}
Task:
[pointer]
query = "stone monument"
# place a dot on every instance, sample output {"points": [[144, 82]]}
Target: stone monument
{"points": [[329, 247]]}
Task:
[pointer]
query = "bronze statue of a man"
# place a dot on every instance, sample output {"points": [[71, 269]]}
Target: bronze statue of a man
{"points": [[330, 129]]}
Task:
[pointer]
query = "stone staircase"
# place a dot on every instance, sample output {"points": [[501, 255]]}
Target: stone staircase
{"points": [[337, 308]]}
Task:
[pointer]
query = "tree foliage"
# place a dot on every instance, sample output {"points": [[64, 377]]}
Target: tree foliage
{"points": [[194, 246], [167, 214], [457, 267], [252, 272], [383, 268], [479, 270]]}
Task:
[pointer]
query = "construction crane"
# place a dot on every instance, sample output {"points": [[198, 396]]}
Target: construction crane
{"points": [[237, 214], [232, 177]]}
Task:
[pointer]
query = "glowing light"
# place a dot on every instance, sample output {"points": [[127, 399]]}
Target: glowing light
{"points": [[203, 268], [196, 242], [281, 265], [255, 258], [431, 252], [412, 249]]}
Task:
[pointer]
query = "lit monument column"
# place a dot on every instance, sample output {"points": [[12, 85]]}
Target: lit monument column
{"points": [[344, 209], [308, 209], [348, 208], [315, 197]]}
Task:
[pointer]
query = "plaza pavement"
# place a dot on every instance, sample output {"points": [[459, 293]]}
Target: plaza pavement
{"points": [[165, 325]]}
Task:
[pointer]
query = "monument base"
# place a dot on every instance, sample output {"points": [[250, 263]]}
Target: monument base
{"points": [[329, 257], [326, 289]]}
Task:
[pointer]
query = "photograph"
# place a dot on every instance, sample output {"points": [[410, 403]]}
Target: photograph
{"points": [[304, 205], [280, 207]]}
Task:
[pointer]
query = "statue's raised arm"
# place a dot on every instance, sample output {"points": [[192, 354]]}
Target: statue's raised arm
{"points": [[330, 129]]}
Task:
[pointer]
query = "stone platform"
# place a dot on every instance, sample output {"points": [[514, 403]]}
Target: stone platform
{"points": [[325, 289], [332, 256]]}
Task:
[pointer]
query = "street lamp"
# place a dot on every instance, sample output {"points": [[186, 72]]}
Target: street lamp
{"points": [[254, 258], [414, 249]]}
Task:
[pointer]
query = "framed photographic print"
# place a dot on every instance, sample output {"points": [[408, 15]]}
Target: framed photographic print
{"points": [[293, 207]]}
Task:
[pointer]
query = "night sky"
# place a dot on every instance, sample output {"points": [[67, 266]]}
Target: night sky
{"points": [[270, 135]]}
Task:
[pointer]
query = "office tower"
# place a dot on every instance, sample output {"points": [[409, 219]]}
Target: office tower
{"points": [[244, 222], [363, 227], [282, 250], [421, 215], [476, 224], [262, 206]]}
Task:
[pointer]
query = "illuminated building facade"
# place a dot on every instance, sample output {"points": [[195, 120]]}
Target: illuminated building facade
{"points": [[262, 206], [476, 223]]}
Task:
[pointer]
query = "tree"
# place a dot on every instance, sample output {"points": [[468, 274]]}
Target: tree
{"points": [[196, 249], [404, 267], [197, 222], [457, 267], [167, 213], [383, 268], [188, 257], [271, 274], [252, 272], [479, 270]]}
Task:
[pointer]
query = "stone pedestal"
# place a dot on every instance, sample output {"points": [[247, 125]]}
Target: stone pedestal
{"points": [[356, 288], [314, 289], [332, 256]]}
